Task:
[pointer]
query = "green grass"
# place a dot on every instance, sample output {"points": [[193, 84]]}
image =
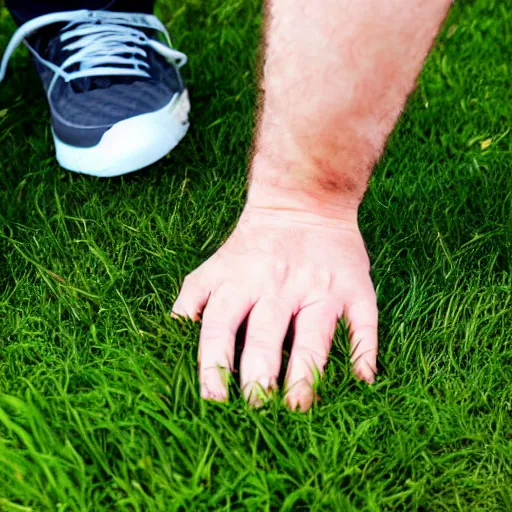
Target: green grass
{"points": [[99, 405]]}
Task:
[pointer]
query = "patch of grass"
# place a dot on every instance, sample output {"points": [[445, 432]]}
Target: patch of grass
{"points": [[99, 405]]}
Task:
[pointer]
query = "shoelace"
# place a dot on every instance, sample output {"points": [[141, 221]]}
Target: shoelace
{"points": [[102, 43]]}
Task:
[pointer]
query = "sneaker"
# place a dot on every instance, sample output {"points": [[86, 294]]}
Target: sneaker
{"points": [[116, 96]]}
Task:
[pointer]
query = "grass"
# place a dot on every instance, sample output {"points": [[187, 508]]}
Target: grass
{"points": [[99, 405]]}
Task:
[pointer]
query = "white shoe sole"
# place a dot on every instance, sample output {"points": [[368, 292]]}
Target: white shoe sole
{"points": [[131, 144]]}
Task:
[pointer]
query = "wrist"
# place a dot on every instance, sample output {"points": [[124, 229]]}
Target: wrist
{"points": [[295, 192], [295, 204]]}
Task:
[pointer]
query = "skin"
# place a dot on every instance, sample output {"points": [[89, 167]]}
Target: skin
{"points": [[335, 81]]}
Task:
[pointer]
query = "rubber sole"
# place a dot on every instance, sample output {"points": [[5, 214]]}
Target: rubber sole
{"points": [[132, 144]]}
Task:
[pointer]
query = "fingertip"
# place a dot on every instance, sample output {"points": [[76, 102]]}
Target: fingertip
{"points": [[364, 371], [363, 317], [257, 393], [300, 403], [215, 384], [369, 379], [300, 397], [219, 395], [255, 398], [180, 314]]}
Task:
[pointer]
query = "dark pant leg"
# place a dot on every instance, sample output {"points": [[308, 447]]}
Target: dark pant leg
{"points": [[24, 10]]}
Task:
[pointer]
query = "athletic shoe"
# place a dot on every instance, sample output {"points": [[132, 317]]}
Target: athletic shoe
{"points": [[116, 96]]}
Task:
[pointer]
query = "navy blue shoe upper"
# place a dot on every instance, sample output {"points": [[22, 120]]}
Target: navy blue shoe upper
{"points": [[140, 77]]}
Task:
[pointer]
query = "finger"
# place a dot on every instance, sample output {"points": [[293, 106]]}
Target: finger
{"points": [[261, 359], [314, 328], [362, 317], [222, 317], [192, 299]]}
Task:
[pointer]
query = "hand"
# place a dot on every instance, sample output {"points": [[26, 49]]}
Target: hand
{"points": [[279, 267]]}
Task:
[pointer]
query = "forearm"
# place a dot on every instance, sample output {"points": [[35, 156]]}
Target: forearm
{"points": [[337, 74]]}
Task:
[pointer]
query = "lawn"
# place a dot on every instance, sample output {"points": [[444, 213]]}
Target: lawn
{"points": [[99, 401]]}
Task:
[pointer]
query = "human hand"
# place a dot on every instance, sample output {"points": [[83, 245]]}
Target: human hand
{"points": [[278, 267]]}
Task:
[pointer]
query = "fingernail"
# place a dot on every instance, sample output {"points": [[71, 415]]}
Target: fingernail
{"points": [[215, 384], [365, 373], [300, 396], [217, 393], [215, 396], [301, 402], [259, 392]]}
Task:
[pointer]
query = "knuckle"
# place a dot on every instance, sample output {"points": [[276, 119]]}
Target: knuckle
{"points": [[280, 272], [364, 330], [215, 331], [273, 307], [316, 355], [190, 281], [260, 267], [366, 304], [224, 298], [274, 273], [324, 279], [260, 339], [359, 352]]}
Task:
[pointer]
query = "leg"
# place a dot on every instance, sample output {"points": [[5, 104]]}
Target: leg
{"points": [[24, 10]]}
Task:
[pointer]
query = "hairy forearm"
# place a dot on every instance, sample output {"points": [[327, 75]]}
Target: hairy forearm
{"points": [[336, 76]]}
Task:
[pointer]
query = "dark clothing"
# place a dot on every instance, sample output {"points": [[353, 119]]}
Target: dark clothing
{"points": [[24, 10]]}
